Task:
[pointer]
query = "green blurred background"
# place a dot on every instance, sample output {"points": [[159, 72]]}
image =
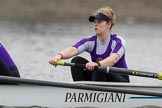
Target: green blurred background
{"points": [[60, 10]]}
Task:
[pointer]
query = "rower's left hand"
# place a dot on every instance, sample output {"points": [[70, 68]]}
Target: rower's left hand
{"points": [[91, 65]]}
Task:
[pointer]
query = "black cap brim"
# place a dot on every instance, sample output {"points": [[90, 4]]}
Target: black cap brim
{"points": [[92, 18], [99, 16]]}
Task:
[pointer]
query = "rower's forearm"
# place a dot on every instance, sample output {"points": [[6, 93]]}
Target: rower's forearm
{"points": [[69, 52], [110, 61]]}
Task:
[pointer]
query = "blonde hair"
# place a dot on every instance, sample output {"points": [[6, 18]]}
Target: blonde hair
{"points": [[108, 11]]}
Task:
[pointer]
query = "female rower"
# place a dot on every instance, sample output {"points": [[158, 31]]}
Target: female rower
{"points": [[105, 48], [7, 65]]}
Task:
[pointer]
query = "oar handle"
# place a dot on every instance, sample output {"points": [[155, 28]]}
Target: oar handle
{"points": [[159, 75], [70, 64]]}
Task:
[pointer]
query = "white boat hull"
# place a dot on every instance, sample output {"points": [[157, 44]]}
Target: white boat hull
{"points": [[53, 96]]}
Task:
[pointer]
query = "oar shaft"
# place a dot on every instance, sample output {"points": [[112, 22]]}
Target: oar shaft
{"points": [[116, 70], [129, 72], [133, 72]]}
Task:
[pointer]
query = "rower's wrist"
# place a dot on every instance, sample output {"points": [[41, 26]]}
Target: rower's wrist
{"points": [[61, 55]]}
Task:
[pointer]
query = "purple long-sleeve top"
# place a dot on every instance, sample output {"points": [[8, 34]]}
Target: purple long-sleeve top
{"points": [[101, 50]]}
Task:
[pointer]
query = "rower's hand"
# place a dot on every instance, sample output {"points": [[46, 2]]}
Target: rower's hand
{"points": [[53, 60], [91, 65]]}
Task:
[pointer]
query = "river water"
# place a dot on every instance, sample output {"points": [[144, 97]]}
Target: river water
{"points": [[32, 44]]}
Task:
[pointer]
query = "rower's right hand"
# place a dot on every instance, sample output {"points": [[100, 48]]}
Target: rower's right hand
{"points": [[53, 60], [91, 65]]}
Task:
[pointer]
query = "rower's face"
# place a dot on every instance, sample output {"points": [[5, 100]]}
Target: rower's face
{"points": [[101, 26]]}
